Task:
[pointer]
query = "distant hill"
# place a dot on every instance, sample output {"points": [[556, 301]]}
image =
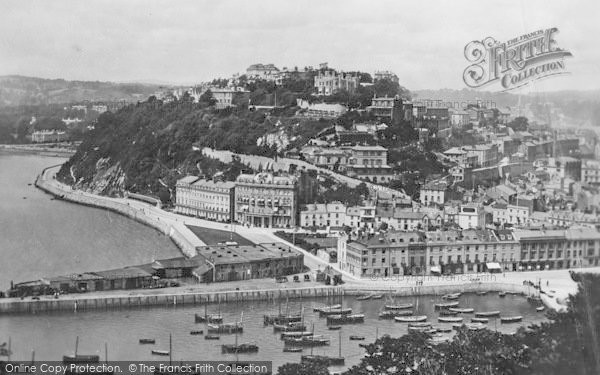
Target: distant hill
{"points": [[20, 90]]}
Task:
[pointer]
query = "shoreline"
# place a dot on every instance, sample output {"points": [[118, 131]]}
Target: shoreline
{"points": [[59, 190], [37, 150]]}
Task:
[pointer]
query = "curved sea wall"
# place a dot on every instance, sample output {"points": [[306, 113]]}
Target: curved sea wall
{"points": [[51, 186]]}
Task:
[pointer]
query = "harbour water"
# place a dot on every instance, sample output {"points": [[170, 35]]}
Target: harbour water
{"points": [[40, 236], [52, 335]]}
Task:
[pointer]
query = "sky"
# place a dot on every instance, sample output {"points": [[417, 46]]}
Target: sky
{"points": [[187, 42]]}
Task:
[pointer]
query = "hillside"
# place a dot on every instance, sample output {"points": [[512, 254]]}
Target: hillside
{"points": [[19, 90], [147, 147]]}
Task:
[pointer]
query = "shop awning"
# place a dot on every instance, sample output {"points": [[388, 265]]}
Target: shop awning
{"points": [[493, 266], [436, 269]]}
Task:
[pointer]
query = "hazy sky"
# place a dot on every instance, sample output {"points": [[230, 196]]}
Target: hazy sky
{"points": [[192, 41]]}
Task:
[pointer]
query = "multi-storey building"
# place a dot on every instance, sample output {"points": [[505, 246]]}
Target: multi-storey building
{"points": [[467, 251], [322, 215], [328, 81], [385, 74], [573, 247], [487, 155], [590, 171], [361, 216], [369, 162], [268, 72], [471, 215], [41, 136], [224, 97], [264, 200], [513, 214], [205, 198], [434, 192]]}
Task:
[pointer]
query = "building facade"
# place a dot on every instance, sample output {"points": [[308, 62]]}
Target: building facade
{"points": [[323, 215], [264, 200], [328, 81], [206, 199]]}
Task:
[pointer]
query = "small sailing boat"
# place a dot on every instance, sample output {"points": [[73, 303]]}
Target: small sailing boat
{"points": [[487, 314], [197, 332], [164, 352], [329, 360], [450, 319], [451, 296], [462, 310], [363, 297], [80, 358], [147, 341], [346, 319], [411, 319], [445, 305], [511, 319]]}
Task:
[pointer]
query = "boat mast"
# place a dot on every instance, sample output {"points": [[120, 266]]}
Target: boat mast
{"points": [[170, 349], [106, 352], [76, 345], [340, 346], [32, 357], [9, 347]]}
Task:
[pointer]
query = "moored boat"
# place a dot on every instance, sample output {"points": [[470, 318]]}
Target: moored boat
{"points": [[282, 319], [296, 334], [411, 319], [338, 311], [307, 341], [81, 358], [241, 348], [511, 319], [291, 349], [197, 332], [540, 308], [444, 329], [469, 326], [391, 314], [487, 314], [420, 325], [481, 293], [212, 318], [363, 297], [334, 328], [327, 307], [346, 319], [403, 306], [376, 296], [479, 320], [225, 328], [445, 305], [356, 338], [450, 319], [212, 337], [147, 341], [448, 313], [289, 327], [462, 310], [160, 352], [451, 296]]}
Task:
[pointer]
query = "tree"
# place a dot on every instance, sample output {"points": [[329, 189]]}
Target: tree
{"points": [[519, 124], [305, 368]]}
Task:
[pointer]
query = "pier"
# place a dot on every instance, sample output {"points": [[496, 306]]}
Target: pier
{"points": [[128, 299]]}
